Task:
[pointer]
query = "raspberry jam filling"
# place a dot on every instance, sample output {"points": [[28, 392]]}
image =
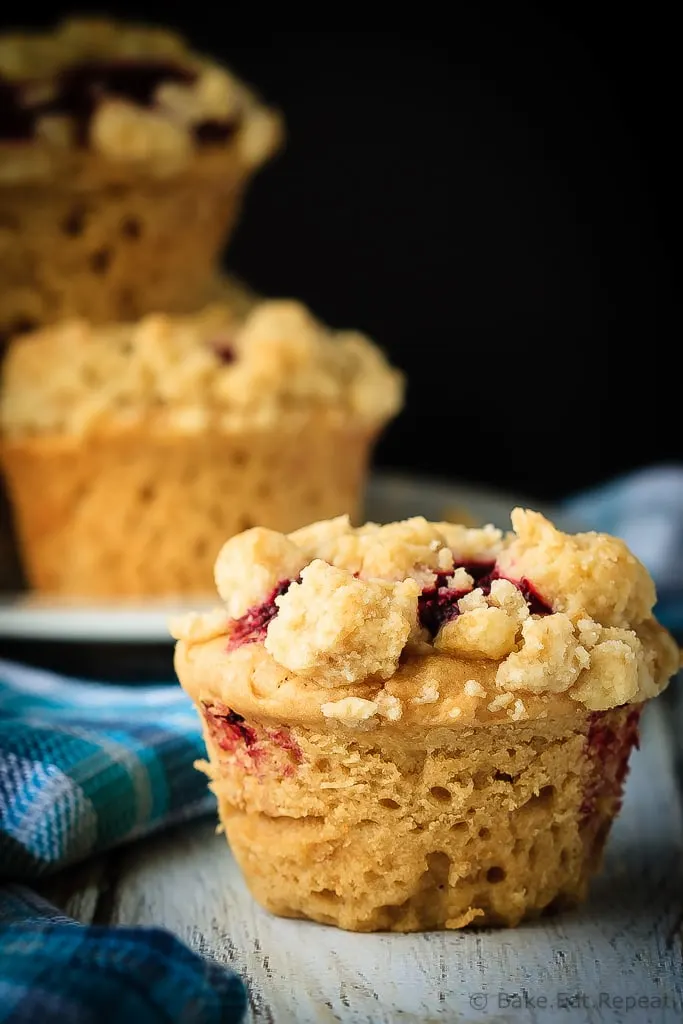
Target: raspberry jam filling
{"points": [[213, 133], [223, 349], [136, 80], [80, 87], [609, 750], [257, 749], [438, 603], [252, 626], [16, 122]]}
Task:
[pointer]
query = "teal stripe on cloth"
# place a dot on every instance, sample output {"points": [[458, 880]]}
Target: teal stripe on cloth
{"points": [[87, 766]]}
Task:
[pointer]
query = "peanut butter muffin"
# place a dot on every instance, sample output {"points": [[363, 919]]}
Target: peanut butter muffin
{"points": [[123, 159], [421, 725], [132, 451]]}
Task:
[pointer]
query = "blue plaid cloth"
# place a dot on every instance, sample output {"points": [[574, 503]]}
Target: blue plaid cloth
{"points": [[84, 767], [646, 510], [54, 971]]}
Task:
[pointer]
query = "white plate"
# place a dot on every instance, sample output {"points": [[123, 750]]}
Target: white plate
{"points": [[28, 616]]}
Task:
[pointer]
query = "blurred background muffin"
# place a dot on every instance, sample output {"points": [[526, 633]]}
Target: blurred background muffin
{"points": [[123, 160], [132, 451], [124, 157]]}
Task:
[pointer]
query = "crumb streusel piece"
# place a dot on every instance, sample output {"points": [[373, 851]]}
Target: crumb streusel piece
{"points": [[211, 370], [128, 93], [540, 608]]}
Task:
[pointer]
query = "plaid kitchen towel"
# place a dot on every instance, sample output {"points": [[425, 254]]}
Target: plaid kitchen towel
{"points": [[646, 510], [54, 971], [84, 767]]}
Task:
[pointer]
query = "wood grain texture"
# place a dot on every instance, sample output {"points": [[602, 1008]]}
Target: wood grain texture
{"points": [[625, 945], [81, 891]]}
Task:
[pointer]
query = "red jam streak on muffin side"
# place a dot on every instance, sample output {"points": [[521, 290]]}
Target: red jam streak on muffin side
{"points": [[260, 750], [438, 603], [80, 87], [608, 750]]}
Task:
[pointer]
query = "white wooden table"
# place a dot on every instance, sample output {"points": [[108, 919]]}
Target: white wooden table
{"points": [[616, 960]]}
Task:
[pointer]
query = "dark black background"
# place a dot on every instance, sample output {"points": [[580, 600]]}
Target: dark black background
{"points": [[496, 203]]}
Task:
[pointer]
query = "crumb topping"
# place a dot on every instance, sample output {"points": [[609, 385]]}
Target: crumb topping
{"points": [[591, 573], [352, 711], [570, 617], [252, 564], [340, 629], [126, 93], [196, 627], [215, 369]]}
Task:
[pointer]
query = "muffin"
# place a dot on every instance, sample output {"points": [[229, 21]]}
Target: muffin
{"points": [[123, 160], [421, 725], [132, 451], [225, 288]]}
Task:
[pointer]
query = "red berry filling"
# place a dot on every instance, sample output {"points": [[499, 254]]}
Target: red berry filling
{"points": [[136, 80], [213, 133], [537, 604], [80, 87], [252, 626], [16, 122], [223, 349], [232, 730], [438, 603], [609, 750], [257, 749]]}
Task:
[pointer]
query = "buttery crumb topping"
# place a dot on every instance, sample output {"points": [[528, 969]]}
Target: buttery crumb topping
{"points": [[94, 93], [550, 613], [215, 369]]}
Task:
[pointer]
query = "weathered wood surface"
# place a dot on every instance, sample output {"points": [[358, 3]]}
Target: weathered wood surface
{"points": [[589, 965]]}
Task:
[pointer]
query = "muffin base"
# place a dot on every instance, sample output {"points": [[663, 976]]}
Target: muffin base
{"points": [[482, 826], [140, 514], [112, 252]]}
